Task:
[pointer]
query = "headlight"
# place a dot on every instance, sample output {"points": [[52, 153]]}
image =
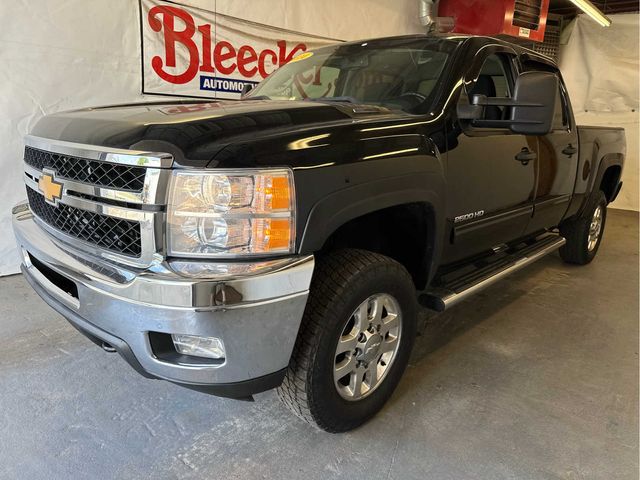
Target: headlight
{"points": [[221, 213]]}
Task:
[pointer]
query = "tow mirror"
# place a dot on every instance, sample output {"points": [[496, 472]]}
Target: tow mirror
{"points": [[535, 103], [532, 106]]}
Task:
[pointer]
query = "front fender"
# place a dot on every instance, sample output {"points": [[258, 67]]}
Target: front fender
{"points": [[372, 186], [340, 207]]}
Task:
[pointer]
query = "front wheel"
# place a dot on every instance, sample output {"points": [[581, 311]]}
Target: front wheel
{"points": [[354, 342]]}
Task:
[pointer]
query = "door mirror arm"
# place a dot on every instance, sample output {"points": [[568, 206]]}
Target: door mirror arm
{"points": [[484, 101], [470, 112]]}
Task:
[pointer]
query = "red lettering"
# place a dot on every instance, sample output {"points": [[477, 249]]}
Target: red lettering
{"points": [[262, 62], [286, 58], [171, 37], [247, 55], [219, 56], [316, 79], [298, 84], [206, 66], [305, 78]]}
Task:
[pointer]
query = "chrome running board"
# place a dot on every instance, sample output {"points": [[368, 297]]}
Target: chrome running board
{"points": [[455, 286]]}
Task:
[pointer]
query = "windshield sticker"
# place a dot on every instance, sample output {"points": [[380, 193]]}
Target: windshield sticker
{"points": [[302, 56]]}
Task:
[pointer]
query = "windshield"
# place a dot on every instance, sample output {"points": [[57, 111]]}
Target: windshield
{"points": [[394, 74]]}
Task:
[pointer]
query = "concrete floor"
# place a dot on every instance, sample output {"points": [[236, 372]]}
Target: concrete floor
{"points": [[536, 378]]}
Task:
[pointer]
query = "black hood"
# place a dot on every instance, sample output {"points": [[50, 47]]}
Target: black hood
{"points": [[196, 132]]}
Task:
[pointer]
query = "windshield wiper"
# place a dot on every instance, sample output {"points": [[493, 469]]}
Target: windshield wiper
{"points": [[258, 97]]}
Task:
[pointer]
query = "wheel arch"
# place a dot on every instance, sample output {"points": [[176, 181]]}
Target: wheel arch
{"points": [[607, 175], [405, 205], [610, 181]]}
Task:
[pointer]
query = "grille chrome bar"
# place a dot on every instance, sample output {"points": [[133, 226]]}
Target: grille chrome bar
{"points": [[122, 213], [137, 158], [153, 193]]}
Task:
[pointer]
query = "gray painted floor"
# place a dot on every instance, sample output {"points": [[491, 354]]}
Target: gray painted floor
{"points": [[535, 378]]}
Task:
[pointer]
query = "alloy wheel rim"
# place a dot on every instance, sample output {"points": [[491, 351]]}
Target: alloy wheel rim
{"points": [[367, 347], [595, 228]]}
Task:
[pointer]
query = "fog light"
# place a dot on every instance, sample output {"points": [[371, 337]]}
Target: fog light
{"points": [[208, 347]]}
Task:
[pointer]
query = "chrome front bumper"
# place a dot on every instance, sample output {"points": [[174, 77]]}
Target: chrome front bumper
{"points": [[256, 314]]}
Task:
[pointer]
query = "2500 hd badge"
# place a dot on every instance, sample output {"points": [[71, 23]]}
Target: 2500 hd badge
{"points": [[468, 216]]}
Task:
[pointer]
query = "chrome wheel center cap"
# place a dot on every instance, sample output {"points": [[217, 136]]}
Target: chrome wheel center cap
{"points": [[371, 348]]}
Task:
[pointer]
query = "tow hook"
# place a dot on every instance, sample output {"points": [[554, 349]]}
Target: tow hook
{"points": [[107, 348]]}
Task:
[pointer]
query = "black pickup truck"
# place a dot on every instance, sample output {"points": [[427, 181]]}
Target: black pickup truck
{"points": [[288, 239]]}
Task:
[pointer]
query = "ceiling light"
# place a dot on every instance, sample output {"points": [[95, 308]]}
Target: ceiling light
{"points": [[590, 9]]}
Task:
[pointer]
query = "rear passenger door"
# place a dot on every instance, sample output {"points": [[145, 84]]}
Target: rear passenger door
{"points": [[490, 192], [556, 165]]}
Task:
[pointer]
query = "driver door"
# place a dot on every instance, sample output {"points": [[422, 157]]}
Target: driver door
{"points": [[490, 191]]}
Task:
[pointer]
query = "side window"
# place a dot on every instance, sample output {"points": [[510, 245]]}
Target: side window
{"points": [[494, 80]]}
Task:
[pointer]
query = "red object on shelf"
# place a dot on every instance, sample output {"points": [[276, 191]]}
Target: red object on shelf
{"points": [[525, 19]]}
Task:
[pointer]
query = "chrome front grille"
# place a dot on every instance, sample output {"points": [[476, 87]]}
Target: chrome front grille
{"points": [[110, 175], [111, 203]]}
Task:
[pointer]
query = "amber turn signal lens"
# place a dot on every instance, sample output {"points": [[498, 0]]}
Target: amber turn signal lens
{"points": [[279, 192], [272, 235]]}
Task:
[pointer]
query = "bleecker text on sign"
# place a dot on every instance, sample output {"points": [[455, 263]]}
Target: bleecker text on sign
{"points": [[194, 52]]}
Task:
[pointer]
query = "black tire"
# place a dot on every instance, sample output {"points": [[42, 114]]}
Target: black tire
{"points": [[576, 231], [344, 280]]}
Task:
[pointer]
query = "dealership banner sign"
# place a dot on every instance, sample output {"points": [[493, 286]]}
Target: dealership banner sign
{"points": [[187, 51]]}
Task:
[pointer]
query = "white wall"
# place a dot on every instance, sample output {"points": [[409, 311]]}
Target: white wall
{"points": [[62, 54], [600, 67], [342, 19]]}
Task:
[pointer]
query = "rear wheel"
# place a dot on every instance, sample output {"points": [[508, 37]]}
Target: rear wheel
{"points": [[354, 342], [584, 234]]}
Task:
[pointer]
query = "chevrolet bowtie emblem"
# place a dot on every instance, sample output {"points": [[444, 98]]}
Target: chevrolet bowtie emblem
{"points": [[51, 189]]}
